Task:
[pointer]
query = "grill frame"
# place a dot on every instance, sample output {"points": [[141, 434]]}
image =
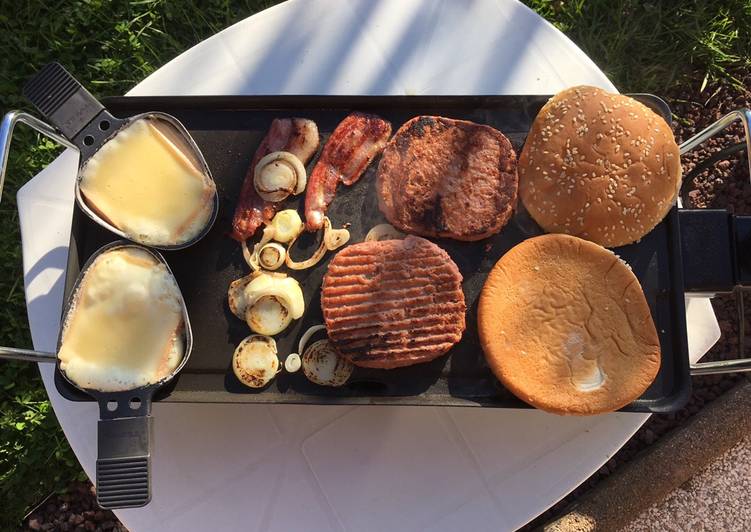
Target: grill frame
{"points": [[228, 128]]}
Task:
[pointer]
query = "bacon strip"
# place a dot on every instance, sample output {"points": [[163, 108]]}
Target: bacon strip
{"points": [[355, 142], [295, 135]]}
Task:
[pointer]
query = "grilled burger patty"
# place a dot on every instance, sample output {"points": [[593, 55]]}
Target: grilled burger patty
{"points": [[448, 178], [393, 303]]}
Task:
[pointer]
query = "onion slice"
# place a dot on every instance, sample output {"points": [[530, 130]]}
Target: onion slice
{"points": [[332, 239], [323, 365], [292, 363], [271, 256], [272, 302], [383, 232], [236, 295], [287, 225], [279, 174], [255, 362], [307, 335], [267, 301], [268, 315], [252, 259]]}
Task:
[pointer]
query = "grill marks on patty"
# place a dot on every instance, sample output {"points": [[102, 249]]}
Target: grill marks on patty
{"points": [[393, 303], [449, 178]]}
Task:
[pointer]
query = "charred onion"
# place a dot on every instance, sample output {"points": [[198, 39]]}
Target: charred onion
{"points": [[255, 362], [383, 232], [332, 239], [292, 363], [271, 256], [272, 303], [323, 365], [287, 225], [279, 174], [268, 302]]}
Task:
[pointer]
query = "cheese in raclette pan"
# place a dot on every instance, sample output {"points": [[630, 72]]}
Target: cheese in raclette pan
{"points": [[124, 329], [146, 186]]}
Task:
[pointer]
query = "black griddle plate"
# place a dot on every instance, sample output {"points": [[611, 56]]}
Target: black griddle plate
{"points": [[228, 130]]}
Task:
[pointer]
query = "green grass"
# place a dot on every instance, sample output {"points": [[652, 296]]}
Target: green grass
{"points": [[655, 46], [110, 46]]}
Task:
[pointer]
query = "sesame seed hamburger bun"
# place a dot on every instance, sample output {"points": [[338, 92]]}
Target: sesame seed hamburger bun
{"points": [[600, 166], [565, 326]]}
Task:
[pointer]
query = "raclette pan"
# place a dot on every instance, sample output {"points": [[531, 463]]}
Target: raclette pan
{"points": [[124, 431], [88, 125], [228, 129]]}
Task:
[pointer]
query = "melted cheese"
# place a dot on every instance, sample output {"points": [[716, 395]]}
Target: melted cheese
{"points": [[121, 332], [143, 184]]}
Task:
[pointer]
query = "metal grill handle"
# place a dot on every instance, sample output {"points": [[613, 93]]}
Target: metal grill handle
{"points": [[744, 115], [6, 134], [740, 364], [26, 355]]}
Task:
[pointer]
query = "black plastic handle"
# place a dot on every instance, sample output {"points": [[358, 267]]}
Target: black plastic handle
{"points": [[742, 233], [123, 465], [716, 250], [62, 99], [70, 108]]}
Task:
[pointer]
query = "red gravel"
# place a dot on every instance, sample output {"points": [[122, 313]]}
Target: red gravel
{"points": [[74, 511]]}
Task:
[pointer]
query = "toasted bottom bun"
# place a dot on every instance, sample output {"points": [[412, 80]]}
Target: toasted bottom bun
{"points": [[565, 326]]}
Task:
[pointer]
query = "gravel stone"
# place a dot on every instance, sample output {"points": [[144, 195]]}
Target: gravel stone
{"points": [[72, 511]]}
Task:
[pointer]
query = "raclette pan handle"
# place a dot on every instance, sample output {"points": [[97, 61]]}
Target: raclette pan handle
{"points": [[27, 355], [79, 116], [123, 464]]}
